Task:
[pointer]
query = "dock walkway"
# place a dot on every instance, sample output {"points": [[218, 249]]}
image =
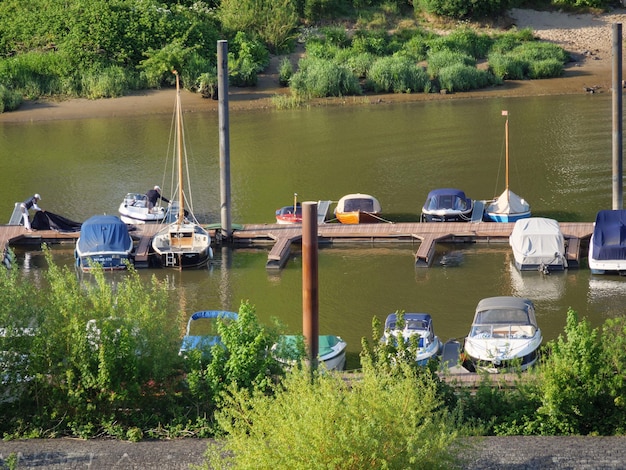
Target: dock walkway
{"points": [[282, 237]]}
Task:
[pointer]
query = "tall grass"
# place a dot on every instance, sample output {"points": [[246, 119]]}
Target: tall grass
{"points": [[318, 79], [398, 75]]}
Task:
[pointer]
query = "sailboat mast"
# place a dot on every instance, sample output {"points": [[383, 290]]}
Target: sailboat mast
{"points": [[179, 153], [506, 145]]}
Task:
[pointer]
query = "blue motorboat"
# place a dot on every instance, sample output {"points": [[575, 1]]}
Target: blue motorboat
{"points": [[607, 247], [447, 205], [105, 241], [204, 342]]}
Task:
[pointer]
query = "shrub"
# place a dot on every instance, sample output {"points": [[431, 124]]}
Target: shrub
{"points": [[109, 82], [320, 78], [465, 41], [446, 58], [576, 394], [548, 68], [382, 420], [459, 77], [396, 74], [460, 9], [374, 42], [285, 71], [506, 66], [9, 100]]}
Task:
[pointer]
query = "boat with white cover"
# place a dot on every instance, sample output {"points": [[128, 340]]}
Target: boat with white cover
{"points": [[538, 244]]}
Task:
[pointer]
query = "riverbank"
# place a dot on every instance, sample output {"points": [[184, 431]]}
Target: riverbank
{"points": [[587, 37]]}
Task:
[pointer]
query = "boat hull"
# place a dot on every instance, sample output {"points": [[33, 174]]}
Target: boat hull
{"points": [[496, 217], [607, 248], [134, 210], [106, 261], [358, 217], [450, 216], [182, 246]]}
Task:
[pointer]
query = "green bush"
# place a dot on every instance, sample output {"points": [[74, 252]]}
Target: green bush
{"points": [[109, 82], [375, 42], [379, 420], [97, 353], [577, 393], [320, 78], [285, 71], [446, 58], [463, 40], [459, 9], [507, 66], [9, 99], [396, 74], [547, 68], [459, 77]]}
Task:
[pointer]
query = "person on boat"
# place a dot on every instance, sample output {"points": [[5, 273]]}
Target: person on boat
{"points": [[30, 203], [154, 195]]}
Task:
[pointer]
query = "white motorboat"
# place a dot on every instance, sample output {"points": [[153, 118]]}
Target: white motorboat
{"points": [[416, 330], [134, 209], [504, 334]]}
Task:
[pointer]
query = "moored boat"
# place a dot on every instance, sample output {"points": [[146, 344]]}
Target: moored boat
{"points": [[331, 350], [504, 334], [538, 244], [358, 209], [447, 205], [607, 247], [416, 331], [134, 209], [508, 206], [183, 243], [210, 337], [104, 240]]}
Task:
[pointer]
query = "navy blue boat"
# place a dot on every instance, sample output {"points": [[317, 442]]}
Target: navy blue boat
{"points": [[447, 205], [104, 240], [607, 247]]}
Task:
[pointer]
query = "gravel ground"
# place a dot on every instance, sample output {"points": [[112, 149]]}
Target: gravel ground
{"points": [[516, 453]]}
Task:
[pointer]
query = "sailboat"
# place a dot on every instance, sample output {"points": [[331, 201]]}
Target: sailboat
{"points": [[184, 243], [508, 207]]}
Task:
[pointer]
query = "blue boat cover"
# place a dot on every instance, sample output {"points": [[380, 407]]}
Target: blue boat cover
{"points": [[609, 235], [104, 233]]}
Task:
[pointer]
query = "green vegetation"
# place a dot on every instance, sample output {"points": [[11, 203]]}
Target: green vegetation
{"points": [[92, 359], [98, 49]]}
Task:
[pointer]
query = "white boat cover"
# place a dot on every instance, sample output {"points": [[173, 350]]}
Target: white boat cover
{"points": [[358, 202], [537, 241], [509, 204]]}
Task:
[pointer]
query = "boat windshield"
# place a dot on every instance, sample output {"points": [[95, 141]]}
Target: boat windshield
{"points": [[502, 316], [359, 204], [447, 201]]}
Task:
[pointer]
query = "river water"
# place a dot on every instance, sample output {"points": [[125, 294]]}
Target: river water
{"points": [[560, 153]]}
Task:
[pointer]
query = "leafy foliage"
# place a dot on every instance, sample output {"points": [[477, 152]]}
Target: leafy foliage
{"points": [[386, 418]]}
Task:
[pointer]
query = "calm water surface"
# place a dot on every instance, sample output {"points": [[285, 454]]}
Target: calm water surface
{"points": [[560, 150]]}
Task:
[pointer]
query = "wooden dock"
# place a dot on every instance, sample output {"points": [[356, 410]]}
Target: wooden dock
{"points": [[426, 234], [282, 237]]}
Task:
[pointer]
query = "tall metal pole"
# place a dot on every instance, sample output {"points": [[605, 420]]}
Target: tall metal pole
{"points": [[617, 118], [224, 130], [310, 287]]}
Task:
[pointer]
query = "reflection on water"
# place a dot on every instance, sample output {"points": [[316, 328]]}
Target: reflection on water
{"points": [[560, 161]]}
